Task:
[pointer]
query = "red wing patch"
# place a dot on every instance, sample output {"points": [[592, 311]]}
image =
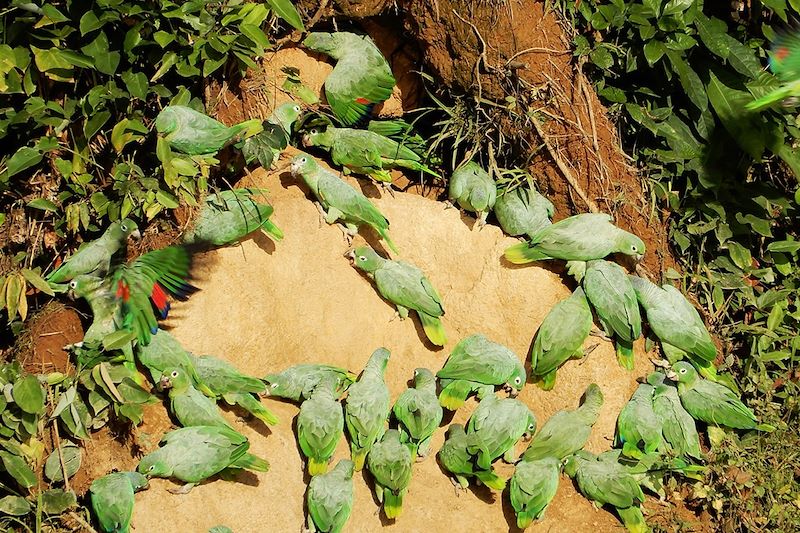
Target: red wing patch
{"points": [[159, 297], [123, 291], [781, 53], [363, 101]]}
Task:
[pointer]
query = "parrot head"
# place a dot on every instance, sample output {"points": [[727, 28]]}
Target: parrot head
{"points": [[366, 259], [286, 115], [167, 120], [422, 377], [317, 136], [122, 230], [517, 380], [173, 378], [571, 464], [138, 481], [152, 465], [324, 42], [279, 385], [83, 286], [530, 429], [683, 372], [301, 164], [632, 245]]}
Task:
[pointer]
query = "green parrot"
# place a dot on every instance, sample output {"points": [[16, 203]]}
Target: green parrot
{"points": [[578, 238], [196, 453], [367, 407], [365, 152], [390, 464], [639, 422], [194, 133], [784, 64], [456, 459], [495, 427], [473, 189], [187, 404], [330, 498], [228, 216], [94, 258], [523, 211], [320, 425], [611, 293], [268, 145], [285, 115], [675, 321], [418, 411], [339, 200], [533, 487], [401, 131], [406, 287], [298, 382], [566, 432], [606, 482], [710, 402], [166, 352], [678, 426], [223, 379], [478, 364], [361, 78], [112, 499], [560, 337]]}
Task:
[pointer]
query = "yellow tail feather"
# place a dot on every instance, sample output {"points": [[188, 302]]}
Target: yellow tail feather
{"points": [[434, 329], [316, 467]]}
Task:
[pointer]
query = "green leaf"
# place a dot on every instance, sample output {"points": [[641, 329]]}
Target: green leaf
{"points": [[775, 317], [728, 104], [23, 159], [740, 255], [784, 246], [14, 506], [690, 81], [18, 468], [56, 501], [72, 462], [89, 22], [95, 122], [35, 279], [653, 50], [170, 58], [105, 60], [167, 200], [44, 204], [29, 394], [713, 33], [118, 339], [255, 34], [136, 83]]}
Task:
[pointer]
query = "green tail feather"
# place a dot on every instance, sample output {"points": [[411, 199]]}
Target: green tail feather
{"points": [[546, 382], [250, 404], [250, 127], [524, 519], [769, 99], [272, 230], [633, 519], [454, 395], [358, 456], [491, 480], [523, 253], [251, 462], [385, 236], [625, 354], [434, 329], [316, 467], [392, 504]]}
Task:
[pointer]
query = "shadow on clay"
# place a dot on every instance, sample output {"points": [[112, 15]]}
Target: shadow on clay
{"points": [[482, 492], [508, 510], [246, 418], [370, 482], [262, 241], [368, 188]]}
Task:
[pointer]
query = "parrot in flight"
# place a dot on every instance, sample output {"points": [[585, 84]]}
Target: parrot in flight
{"points": [[330, 498], [390, 464], [678, 426], [473, 189], [477, 364], [193, 133], [533, 486], [228, 216], [566, 432], [578, 238], [406, 287], [225, 380], [610, 291], [367, 407], [675, 321], [320, 425], [560, 337], [296, 383], [523, 211], [784, 62], [94, 258], [365, 152], [607, 482], [340, 200], [112, 499], [361, 79], [196, 453], [187, 404], [639, 422], [418, 411], [456, 458], [495, 427], [711, 402]]}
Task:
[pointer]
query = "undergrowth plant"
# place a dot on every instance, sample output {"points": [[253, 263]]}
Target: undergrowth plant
{"points": [[677, 74]]}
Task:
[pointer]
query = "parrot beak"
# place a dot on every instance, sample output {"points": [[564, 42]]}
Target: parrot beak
{"points": [[672, 375], [306, 141], [164, 383], [638, 257], [136, 234], [351, 254]]}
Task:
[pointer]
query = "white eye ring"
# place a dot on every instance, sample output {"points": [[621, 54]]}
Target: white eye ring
{"points": [[274, 385], [174, 374], [683, 370], [531, 427], [517, 380], [297, 108], [73, 284], [151, 467], [362, 257], [124, 227]]}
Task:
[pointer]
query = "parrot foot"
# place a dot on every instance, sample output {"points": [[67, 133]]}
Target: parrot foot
{"points": [[585, 354], [185, 489], [73, 346], [599, 334], [457, 486], [348, 235], [448, 205], [387, 187]]}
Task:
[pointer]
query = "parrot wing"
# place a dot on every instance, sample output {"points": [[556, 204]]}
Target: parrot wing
{"points": [[406, 285]]}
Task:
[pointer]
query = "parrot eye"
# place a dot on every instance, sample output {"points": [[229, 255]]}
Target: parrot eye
{"points": [[362, 258], [124, 227], [682, 371], [297, 108], [517, 380], [313, 131], [151, 468], [531, 427], [634, 248], [73, 284], [174, 374], [274, 385]]}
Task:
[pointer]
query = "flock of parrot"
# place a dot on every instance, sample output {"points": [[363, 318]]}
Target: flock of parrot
{"points": [[656, 430]]}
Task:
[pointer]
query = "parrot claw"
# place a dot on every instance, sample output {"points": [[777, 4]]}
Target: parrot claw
{"points": [[387, 187], [599, 334], [185, 489]]}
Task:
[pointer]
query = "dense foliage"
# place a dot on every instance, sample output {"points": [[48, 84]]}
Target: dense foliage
{"points": [[678, 74]]}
